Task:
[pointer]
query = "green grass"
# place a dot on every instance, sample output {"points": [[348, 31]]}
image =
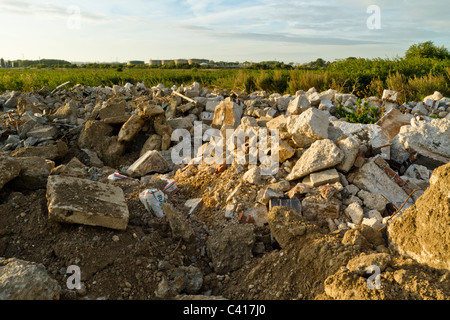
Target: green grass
{"points": [[413, 78]]}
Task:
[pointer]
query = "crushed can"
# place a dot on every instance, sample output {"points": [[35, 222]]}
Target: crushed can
{"points": [[153, 199]]}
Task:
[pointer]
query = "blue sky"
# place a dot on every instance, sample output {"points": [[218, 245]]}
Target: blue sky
{"points": [[258, 30]]}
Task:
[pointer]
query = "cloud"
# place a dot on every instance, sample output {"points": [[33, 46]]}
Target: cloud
{"points": [[47, 9]]}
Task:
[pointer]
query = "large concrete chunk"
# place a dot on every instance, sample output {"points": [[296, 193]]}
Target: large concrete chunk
{"points": [[310, 126], [152, 161], [430, 139], [298, 105], [322, 154], [350, 146], [373, 179], [130, 128], [9, 169], [74, 200], [228, 112]]}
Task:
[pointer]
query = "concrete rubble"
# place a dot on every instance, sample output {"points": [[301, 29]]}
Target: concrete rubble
{"points": [[332, 177]]}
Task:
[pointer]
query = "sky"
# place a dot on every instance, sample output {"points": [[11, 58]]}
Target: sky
{"points": [[248, 30]]}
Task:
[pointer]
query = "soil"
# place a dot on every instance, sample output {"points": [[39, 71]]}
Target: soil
{"points": [[131, 264]]}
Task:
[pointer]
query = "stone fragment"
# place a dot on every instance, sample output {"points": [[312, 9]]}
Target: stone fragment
{"points": [[34, 173], [373, 201], [9, 169], [193, 204], [322, 154], [154, 142], [317, 208], [355, 212], [179, 224], [43, 133], [298, 105], [111, 109], [324, 177], [310, 126], [286, 225], [54, 151], [374, 180], [228, 112], [285, 151], [361, 263], [258, 214], [350, 147], [392, 121], [81, 201], [23, 280], [253, 176], [430, 139], [150, 162], [130, 128]]}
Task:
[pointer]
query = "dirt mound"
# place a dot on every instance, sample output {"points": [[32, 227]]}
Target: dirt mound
{"points": [[422, 231]]}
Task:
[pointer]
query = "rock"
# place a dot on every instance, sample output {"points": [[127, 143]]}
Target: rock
{"points": [[258, 214], [390, 95], [150, 162], [310, 126], [130, 129], [374, 223], [421, 232], [361, 263], [392, 121], [420, 109], [81, 201], [350, 147], [69, 111], [264, 195], [186, 279], [43, 133], [285, 151], [91, 159], [373, 201], [318, 208], [430, 139], [363, 236], [154, 142], [33, 174], [352, 189], [9, 169], [253, 176], [286, 225], [417, 171], [112, 109], [324, 177], [193, 204], [94, 135], [179, 224], [374, 180], [181, 123], [355, 212], [24, 105], [280, 186], [54, 151], [23, 280], [231, 247], [298, 105], [321, 155], [228, 112]]}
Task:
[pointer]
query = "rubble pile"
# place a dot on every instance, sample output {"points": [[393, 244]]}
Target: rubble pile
{"points": [[129, 170]]}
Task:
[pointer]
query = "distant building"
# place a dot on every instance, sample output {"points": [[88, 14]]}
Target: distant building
{"points": [[181, 61], [198, 61], [135, 62], [156, 62], [166, 62]]}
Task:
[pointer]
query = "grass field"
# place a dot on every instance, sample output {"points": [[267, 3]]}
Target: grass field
{"points": [[413, 78]]}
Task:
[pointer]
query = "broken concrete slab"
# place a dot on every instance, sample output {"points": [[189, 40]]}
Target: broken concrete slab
{"points": [[324, 177], [130, 128], [429, 138], [298, 105], [151, 162], [322, 154], [392, 121], [53, 151], [228, 112], [350, 146], [81, 201], [373, 179], [308, 127], [43, 133]]}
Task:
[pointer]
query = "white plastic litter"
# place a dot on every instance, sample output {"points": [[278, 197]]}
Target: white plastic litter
{"points": [[153, 199]]}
